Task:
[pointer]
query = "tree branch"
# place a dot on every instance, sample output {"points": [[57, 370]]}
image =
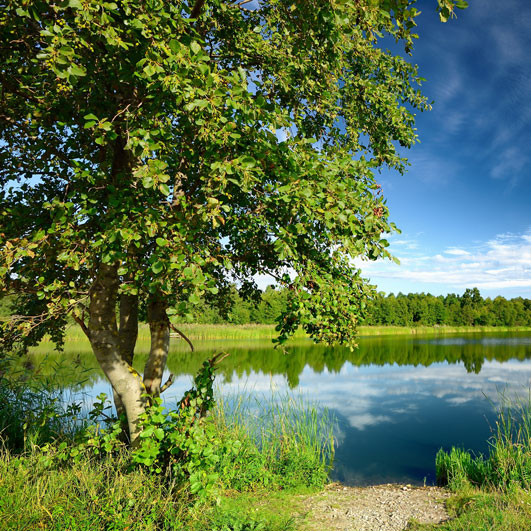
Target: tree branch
{"points": [[198, 7], [83, 326], [175, 329], [168, 383]]}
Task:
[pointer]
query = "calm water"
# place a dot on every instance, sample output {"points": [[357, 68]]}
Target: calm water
{"points": [[397, 400]]}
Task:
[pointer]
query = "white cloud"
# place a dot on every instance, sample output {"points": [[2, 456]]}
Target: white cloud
{"points": [[366, 420], [407, 244], [501, 263], [457, 252]]}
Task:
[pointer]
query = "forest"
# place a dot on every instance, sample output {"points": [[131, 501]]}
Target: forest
{"points": [[412, 309]]}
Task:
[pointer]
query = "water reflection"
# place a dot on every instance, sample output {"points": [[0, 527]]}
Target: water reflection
{"points": [[248, 358], [397, 400]]}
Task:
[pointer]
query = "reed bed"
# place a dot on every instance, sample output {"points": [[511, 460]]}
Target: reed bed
{"points": [[77, 341], [508, 463]]}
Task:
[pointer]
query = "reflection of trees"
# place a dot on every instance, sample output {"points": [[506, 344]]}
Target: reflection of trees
{"points": [[76, 370], [60, 369]]}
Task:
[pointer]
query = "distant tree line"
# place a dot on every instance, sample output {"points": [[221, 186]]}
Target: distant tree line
{"points": [[469, 309], [413, 309]]}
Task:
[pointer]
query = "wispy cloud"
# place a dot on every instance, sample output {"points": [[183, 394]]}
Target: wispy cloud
{"points": [[457, 252], [406, 244], [501, 263]]}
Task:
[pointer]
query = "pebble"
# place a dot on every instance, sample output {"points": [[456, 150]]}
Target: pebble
{"points": [[378, 508]]}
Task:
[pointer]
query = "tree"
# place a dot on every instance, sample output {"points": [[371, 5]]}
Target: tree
{"points": [[154, 151]]}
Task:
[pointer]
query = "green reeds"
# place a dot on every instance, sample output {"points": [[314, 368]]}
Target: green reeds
{"points": [[92, 494], [34, 409], [435, 330], [285, 441], [267, 444], [508, 463]]}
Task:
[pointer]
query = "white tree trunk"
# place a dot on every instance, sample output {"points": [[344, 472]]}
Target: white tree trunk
{"points": [[105, 341]]}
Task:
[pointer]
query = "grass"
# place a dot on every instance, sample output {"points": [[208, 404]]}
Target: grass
{"points": [[284, 441], [474, 509], [435, 330], [93, 494], [493, 491], [508, 463], [76, 340], [103, 494], [268, 450]]}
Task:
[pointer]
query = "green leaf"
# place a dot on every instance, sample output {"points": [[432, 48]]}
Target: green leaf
{"points": [[194, 298], [175, 46], [77, 70], [147, 182], [157, 267], [196, 47]]}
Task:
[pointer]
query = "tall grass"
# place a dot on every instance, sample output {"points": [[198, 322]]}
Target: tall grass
{"points": [[435, 330], [34, 409], [93, 494], [76, 340], [508, 463], [284, 441], [274, 443]]}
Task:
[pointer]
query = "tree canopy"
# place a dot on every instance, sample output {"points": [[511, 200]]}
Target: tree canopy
{"points": [[154, 152]]}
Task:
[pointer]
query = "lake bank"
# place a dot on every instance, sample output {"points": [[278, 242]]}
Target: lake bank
{"points": [[103, 492], [396, 399], [210, 332]]}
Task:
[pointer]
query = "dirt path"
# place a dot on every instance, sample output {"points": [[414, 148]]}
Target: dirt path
{"points": [[379, 508]]}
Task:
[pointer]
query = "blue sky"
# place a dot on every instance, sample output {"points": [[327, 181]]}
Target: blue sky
{"points": [[464, 206]]}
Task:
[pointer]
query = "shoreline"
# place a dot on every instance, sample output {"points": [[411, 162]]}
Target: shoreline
{"points": [[266, 332]]}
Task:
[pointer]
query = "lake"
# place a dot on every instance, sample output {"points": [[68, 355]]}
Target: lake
{"points": [[397, 400]]}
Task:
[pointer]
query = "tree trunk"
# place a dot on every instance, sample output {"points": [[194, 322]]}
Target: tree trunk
{"points": [[106, 344], [159, 327], [128, 335]]}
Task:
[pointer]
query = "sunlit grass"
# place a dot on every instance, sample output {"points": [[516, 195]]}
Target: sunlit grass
{"points": [[435, 330], [77, 342], [274, 444], [285, 436]]}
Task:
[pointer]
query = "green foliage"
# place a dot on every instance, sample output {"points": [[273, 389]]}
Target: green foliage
{"points": [[413, 309], [180, 145], [283, 442], [6, 307], [470, 309], [201, 448], [105, 494], [86, 495], [480, 509], [491, 492], [238, 520]]}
